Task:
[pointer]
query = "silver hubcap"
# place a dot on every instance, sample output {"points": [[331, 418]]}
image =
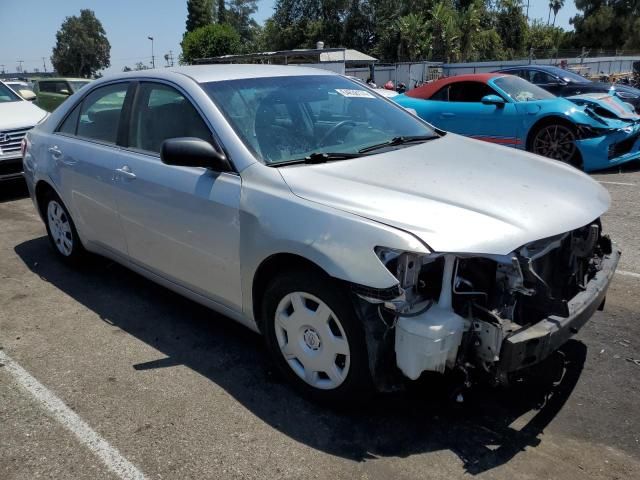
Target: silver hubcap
{"points": [[312, 340], [555, 141], [60, 228]]}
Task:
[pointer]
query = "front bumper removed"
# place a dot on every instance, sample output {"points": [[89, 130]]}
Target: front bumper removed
{"points": [[533, 344]]}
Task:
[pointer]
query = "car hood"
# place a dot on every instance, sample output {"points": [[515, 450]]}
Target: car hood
{"points": [[457, 194], [620, 87], [19, 114], [606, 106]]}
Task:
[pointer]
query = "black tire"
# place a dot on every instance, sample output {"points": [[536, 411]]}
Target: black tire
{"points": [[541, 142], [357, 384], [69, 249]]}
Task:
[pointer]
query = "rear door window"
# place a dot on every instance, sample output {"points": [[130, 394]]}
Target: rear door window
{"points": [[161, 112], [101, 111]]}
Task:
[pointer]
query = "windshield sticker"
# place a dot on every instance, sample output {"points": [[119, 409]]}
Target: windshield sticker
{"points": [[345, 92]]}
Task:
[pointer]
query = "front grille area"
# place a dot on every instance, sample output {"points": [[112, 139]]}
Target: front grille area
{"points": [[618, 149], [10, 140], [10, 168]]}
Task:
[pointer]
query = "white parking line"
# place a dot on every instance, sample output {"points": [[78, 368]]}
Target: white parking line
{"points": [[70, 420], [628, 274], [619, 183]]}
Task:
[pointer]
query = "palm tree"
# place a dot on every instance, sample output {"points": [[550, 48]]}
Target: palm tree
{"points": [[556, 5], [550, 8]]}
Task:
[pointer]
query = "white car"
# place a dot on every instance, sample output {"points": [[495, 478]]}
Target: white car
{"points": [[367, 246], [17, 116]]}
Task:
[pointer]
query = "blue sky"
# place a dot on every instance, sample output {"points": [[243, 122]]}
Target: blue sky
{"points": [[28, 29]]}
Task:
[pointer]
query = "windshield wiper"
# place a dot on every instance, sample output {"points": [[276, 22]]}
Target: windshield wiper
{"points": [[319, 157], [398, 141]]}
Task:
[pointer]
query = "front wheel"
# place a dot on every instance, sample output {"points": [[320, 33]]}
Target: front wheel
{"points": [[315, 338], [556, 141]]}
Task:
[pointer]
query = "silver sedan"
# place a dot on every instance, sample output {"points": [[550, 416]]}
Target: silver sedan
{"points": [[367, 246]]}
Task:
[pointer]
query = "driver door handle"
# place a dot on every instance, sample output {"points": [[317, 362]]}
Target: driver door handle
{"points": [[55, 152], [447, 114], [125, 171]]}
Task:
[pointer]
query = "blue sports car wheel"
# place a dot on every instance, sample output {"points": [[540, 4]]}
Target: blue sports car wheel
{"points": [[555, 141]]}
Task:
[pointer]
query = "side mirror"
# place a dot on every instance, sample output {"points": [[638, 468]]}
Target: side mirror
{"points": [[493, 100], [193, 152], [64, 91]]}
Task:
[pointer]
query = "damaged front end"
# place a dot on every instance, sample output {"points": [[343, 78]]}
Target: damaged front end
{"points": [[493, 313]]}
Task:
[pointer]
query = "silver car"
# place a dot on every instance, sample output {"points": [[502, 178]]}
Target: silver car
{"points": [[366, 246]]}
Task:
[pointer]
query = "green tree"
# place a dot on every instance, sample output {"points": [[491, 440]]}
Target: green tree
{"points": [[543, 37], [199, 14], [556, 6], [606, 24], [445, 33], [81, 46], [414, 37], [210, 41], [238, 14], [359, 26], [511, 25], [222, 11]]}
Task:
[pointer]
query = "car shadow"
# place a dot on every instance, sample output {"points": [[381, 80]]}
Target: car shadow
{"points": [[630, 167], [487, 430], [11, 190]]}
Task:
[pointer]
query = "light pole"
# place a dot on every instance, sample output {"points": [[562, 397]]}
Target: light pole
{"points": [[153, 58]]}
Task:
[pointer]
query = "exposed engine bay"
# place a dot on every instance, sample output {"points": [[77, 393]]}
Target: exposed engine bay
{"points": [[458, 311]]}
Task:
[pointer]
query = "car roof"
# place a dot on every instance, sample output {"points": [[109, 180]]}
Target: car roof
{"points": [[543, 68], [426, 91], [220, 72]]}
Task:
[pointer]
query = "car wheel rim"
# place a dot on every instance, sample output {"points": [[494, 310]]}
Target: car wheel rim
{"points": [[555, 141], [312, 340], [60, 228]]}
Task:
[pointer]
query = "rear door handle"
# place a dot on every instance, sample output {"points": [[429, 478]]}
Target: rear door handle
{"points": [[125, 171], [447, 114]]}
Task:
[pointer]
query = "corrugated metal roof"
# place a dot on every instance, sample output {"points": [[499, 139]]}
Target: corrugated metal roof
{"points": [[349, 55]]}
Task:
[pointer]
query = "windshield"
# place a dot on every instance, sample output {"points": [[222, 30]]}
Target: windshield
{"points": [[568, 76], [282, 119], [519, 90], [8, 95], [77, 84]]}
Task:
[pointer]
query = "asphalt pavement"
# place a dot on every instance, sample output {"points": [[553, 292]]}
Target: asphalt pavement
{"points": [[104, 374]]}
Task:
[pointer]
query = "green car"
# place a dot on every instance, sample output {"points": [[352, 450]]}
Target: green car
{"points": [[51, 92]]}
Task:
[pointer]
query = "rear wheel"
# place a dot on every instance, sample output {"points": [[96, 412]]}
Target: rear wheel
{"points": [[315, 338], [61, 229], [556, 141]]}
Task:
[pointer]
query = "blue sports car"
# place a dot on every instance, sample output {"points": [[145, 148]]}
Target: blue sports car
{"points": [[591, 131]]}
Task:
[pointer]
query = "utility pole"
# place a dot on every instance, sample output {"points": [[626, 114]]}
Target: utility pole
{"points": [[2, 67], [44, 64], [153, 58], [20, 65], [527, 10]]}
